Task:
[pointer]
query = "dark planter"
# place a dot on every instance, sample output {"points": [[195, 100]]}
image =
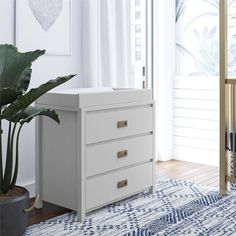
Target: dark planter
{"points": [[13, 218]]}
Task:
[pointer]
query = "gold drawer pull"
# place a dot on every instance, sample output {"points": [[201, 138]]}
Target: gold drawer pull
{"points": [[122, 154], [122, 184], [122, 124]]}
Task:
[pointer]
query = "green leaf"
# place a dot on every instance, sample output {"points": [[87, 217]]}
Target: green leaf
{"points": [[15, 67], [214, 3], [185, 51], [9, 159], [180, 6], [31, 112], [7, 95], [14, 178], [22, 102]]}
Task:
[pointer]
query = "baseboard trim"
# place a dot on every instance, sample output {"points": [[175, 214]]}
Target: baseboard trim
{"points": [[30, 188], [201, 160]]}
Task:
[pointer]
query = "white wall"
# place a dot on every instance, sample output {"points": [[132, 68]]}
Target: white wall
{"points": [[47, 67], [196, 120]]}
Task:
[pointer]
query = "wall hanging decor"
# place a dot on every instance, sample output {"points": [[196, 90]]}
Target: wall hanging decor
{"points": [[44, 24]]}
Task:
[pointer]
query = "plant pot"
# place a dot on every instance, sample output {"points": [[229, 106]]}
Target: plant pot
{"points": [[13, 218]]}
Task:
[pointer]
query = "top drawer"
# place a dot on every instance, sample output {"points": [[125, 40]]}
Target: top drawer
{"points": [[106, 125]]}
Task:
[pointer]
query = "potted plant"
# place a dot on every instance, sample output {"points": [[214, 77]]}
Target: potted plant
{"points": [[16, 109]]}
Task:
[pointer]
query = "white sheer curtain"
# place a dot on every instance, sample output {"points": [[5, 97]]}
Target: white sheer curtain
{"points": [[106, 43], [164, 73]]}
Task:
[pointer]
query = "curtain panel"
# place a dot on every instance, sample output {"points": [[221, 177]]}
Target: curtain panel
{"points": [[106, 43]]}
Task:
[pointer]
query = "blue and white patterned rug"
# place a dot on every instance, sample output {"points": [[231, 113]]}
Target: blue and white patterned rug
{"points": [[176, 208]]}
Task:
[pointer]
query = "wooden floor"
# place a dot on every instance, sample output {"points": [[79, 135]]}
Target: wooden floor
{"points": [[192, 172], [202, 174]]}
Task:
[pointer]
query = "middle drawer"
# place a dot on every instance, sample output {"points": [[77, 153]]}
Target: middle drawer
{"points": [[113, 155]]}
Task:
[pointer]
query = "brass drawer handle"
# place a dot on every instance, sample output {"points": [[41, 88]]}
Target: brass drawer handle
{"points": [[122, 154], [122, 184], [122, 124]]}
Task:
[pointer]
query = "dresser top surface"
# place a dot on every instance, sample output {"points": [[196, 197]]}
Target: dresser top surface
{"points": [[87, 97], [80, 91]]}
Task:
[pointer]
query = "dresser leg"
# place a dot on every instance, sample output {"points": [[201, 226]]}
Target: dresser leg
{"points": [[152, 190], [80, 216], [39, 203]]}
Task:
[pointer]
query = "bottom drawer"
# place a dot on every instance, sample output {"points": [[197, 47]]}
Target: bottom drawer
{"points": [[114, 186]]}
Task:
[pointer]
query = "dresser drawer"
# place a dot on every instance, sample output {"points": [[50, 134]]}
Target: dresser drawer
{"points": [[114, 186], [113, 155], [106, 125]]}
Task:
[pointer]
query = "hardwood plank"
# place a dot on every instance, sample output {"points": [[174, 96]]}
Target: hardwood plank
{"points": [[48, 211], [200, 174]]}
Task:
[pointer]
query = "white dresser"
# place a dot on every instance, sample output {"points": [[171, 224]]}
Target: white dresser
{"points": [[103, 150]]}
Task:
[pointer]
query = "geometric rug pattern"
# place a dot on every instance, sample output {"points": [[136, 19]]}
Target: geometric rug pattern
{"points": [[176, 208]]}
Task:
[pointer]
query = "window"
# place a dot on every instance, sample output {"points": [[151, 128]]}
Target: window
{"points": [[138, 41], [197, 37]]}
